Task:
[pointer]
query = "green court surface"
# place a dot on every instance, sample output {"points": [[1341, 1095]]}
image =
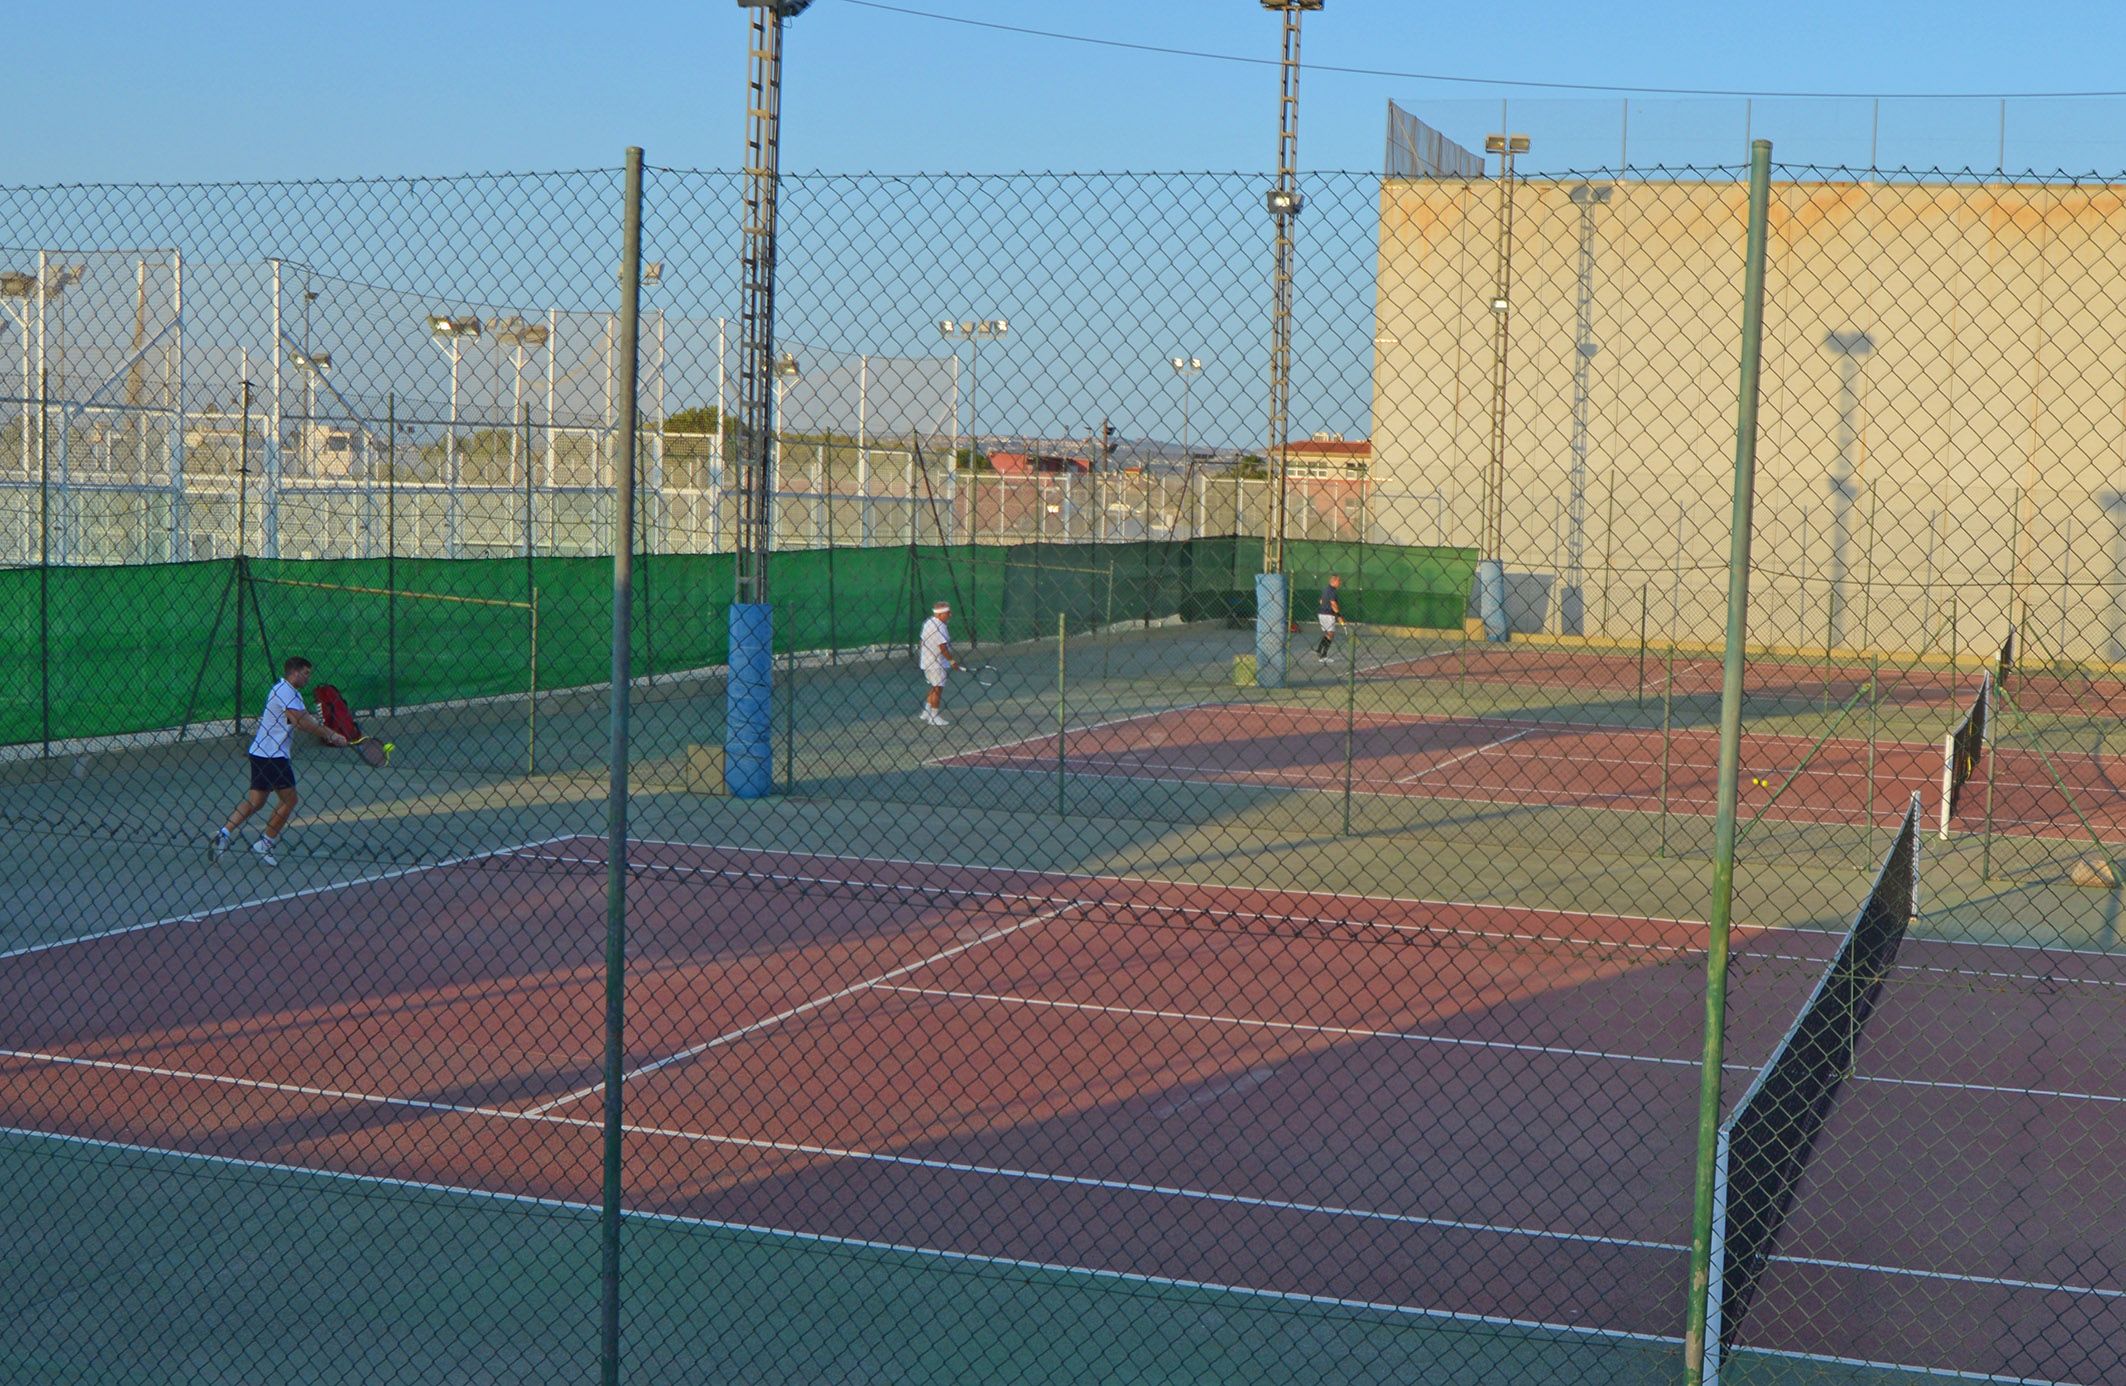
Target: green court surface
{"points": [[305, 1269]]}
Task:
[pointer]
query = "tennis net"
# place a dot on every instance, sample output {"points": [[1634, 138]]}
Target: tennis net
{"points": [[1963, 749], [1765, 1143], [2006, 666]]}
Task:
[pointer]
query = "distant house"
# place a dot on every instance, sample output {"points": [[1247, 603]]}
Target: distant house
{"points": [[1329, 457], [1039, 463], [1329, 487]]}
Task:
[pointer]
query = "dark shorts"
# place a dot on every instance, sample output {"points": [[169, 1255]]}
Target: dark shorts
{"points": [[270, 773]]}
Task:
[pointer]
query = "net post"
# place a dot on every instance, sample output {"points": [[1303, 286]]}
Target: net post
{"points": [[1985, 840], [1640, 701], [1062, 714], [615, 1057], [1948, 781], [1696, 1353]]}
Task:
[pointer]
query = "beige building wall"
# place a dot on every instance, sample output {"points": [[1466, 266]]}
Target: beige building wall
{"points": [[1978, 462]]}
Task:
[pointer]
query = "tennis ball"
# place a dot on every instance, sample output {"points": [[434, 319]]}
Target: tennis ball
{"points": [[390, 746]]}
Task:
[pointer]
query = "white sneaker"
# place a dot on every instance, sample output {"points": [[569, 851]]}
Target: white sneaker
{"points": [[264, 852], [218, 845]]}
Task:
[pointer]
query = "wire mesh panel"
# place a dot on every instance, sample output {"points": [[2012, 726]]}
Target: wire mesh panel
{"points": [[1134, 969]]}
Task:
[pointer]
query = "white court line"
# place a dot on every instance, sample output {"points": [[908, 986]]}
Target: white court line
{"points": [[251, 1084], [814, 1004], [198, 915], [1094, 1273], [1305, 1028], [1217, 915], [1335, 898], [1456, 760], [1070, 1180]]}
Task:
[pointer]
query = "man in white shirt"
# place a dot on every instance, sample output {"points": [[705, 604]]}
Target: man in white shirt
{"points": [[272, 770], [934, 653]]}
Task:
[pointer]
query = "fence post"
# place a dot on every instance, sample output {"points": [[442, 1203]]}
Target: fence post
{"points": [[44, 566], [1062, 713], [1701, 1351], [391, 551], [616, 782]]}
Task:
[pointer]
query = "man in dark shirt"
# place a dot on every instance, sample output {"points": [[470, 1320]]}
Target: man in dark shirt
{"points": [[1330, 612]]}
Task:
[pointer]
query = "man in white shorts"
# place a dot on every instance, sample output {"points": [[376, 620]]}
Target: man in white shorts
{"points": [[934, 653], [272, 771]]}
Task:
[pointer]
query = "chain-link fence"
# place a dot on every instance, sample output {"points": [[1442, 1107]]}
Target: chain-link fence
{"points": [[1142, 1006]]}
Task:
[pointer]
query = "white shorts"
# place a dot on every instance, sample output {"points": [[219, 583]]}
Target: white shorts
{"points": [[934, 674], [1328, 624]]}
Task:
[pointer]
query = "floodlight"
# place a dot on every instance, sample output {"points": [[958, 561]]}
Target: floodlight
{"points": [[1590, 194], [1283, 202], [788, 9], [16, 284], [447, 327], [1498, 305], [786, 366]]}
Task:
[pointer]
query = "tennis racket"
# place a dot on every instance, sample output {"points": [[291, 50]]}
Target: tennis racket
{"points": [[371, 750], [985, 675]]}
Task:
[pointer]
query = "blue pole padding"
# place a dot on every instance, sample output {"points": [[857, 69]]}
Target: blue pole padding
{"points": [[1491, 597], [749, 703], [1273, 624]]}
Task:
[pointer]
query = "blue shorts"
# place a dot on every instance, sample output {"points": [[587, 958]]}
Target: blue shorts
{"points": [[271, 773]]}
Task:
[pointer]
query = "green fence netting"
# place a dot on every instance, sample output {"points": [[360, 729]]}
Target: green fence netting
{"points": [[110, 650]]}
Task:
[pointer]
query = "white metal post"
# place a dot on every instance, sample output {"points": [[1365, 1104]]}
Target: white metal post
{"points": [[450, 459], [180, 538], [952, 470], [270, 545], [553, 336], [863, 452]]}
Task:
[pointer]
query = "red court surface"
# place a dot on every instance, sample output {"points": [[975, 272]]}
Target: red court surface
{"points": [[1969, 1172], [1179, 1082], [2035, 688], [1561, 764]]}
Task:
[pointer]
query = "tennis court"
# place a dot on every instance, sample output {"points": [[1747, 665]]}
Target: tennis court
{"points": [[1521, 760], [1187, 1086]]}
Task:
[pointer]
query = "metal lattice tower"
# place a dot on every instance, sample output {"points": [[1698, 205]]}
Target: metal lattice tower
{"points": [[756, 312], [1283, 202]]}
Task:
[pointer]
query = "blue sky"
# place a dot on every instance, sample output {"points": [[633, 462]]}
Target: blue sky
{"points": [[147, 89]]}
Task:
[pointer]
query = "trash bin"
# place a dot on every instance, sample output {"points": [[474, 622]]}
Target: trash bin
{"points": [[1244, 671]]}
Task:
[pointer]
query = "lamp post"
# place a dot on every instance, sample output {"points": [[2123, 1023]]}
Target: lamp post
{"points": [[15, 290], [786, 370], [1572, 605], [973, 331], [1851, 348], [450, 335], [1188, 368], [517, 334], [313, 365]]}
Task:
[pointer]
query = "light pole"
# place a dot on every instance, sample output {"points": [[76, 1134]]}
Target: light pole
{"points": [[786, 370], [1283, 203], [1188, 368], [1572, 605], [314, 365], [517, 334], [1850, 347], [973, 331], [450, 335], [1491, 571], [15, 290]]}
